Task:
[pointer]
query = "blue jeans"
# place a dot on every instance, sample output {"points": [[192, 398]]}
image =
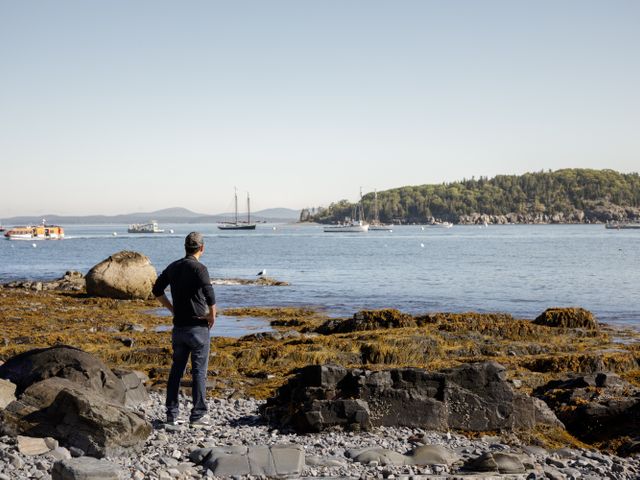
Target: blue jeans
{"points": [[187, 341]]}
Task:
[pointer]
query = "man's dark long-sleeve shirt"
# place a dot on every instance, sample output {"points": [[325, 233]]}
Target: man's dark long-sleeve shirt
{"points": [[191, 291]]}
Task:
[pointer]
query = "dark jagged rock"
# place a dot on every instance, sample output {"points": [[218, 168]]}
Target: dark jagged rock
{"points": [[600, 407], [124, 275], [68, 394], [474, 397], [67, 362], [77, 417], [368, 320], [567, 318]]}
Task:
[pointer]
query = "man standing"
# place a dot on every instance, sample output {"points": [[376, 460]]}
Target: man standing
{"points": [[194, 313]]}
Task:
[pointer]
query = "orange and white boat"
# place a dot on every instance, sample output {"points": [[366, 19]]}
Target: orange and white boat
{"points": [[35, 232]]}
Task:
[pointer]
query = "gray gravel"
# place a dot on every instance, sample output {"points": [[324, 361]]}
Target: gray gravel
{"points": [[165, 455]]}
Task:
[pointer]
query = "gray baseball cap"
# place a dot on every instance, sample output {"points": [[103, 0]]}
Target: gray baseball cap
{"points": [[194, 240]]}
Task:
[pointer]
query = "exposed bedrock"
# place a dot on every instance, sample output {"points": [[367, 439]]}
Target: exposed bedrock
{"points": [[472, 397], [597, 408]]}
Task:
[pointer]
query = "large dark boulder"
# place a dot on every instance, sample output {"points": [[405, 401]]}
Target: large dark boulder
{"points": [[68, 394], [567, 318], [598, 408], [77, 417], [67, 362], [475, 397], [124, 275]]}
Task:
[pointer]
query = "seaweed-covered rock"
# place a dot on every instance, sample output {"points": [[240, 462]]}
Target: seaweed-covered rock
{"points": [[567, 318], [474, 397], [368, 320], [595, 408], [124, 275]]}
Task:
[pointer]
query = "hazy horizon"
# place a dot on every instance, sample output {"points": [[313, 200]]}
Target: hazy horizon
{"points": [[119, 107]]}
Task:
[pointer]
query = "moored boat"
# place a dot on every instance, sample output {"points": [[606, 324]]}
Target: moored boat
{"points": [[356, 224], [239, 224], [348, 227], [439, 224], [376, 225], [151, 227], [35, 232], [622, 225]]}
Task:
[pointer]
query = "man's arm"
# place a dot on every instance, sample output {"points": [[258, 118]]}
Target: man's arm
{"points": [[211, 318], [164, 300]]}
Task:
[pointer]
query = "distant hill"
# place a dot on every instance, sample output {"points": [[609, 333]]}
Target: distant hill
{"points": [[564, 196], [167, 215]]}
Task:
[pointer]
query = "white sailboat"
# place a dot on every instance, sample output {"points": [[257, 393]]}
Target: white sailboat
{"points": [[376, 225], [239, 224], [356, 224]]}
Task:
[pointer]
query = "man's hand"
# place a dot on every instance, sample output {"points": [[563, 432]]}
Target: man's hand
{"points": [[164, 300], [211, 318]]}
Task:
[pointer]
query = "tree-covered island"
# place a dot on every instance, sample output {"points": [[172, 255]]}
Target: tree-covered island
{"points": [[562, 196]]}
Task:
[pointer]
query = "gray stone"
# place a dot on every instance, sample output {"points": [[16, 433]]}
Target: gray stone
{"points": [[136, 393], [7, 392], [508, 463], [288, 459], [228, 464], [85, 468], [318, 461], [274, 461], [556, 462], [431, 455], [60, 453], [381, 456], [32, 445], [483, 463]]}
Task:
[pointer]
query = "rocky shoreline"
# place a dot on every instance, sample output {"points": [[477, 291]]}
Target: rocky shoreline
{"points": [[173, 452], [498, 393]]}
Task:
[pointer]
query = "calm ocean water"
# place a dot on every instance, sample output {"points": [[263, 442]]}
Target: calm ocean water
{"points": [[519, 269]]}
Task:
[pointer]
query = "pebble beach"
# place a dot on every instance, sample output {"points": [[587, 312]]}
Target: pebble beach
{"points": [[236, 422]]}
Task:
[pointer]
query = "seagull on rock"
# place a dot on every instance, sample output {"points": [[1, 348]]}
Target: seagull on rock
{"points": [[261, 273]]}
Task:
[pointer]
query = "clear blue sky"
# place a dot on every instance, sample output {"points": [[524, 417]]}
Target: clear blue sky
{"points": [[122, 106]]}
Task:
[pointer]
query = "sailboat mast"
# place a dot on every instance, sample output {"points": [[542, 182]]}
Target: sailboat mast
{"points": [[248, 209], [236, 203], [375, 206]]}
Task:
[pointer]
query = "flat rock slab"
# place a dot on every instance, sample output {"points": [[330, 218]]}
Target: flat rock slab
{"points": [[33, 445], [271, 461], [7, 392], [85, 468]]}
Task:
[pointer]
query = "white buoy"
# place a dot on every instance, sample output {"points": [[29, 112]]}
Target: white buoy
{"points": [[422, 245], [33, 245], [274, 228], [171, 231], [421, 228], [115, 234]]}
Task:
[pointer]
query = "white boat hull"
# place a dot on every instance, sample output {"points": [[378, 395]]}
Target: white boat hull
{"points": [[346, 229], [439, 225]]}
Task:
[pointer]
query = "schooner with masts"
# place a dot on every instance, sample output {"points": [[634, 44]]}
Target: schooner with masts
{"points": [[239, 224]]}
